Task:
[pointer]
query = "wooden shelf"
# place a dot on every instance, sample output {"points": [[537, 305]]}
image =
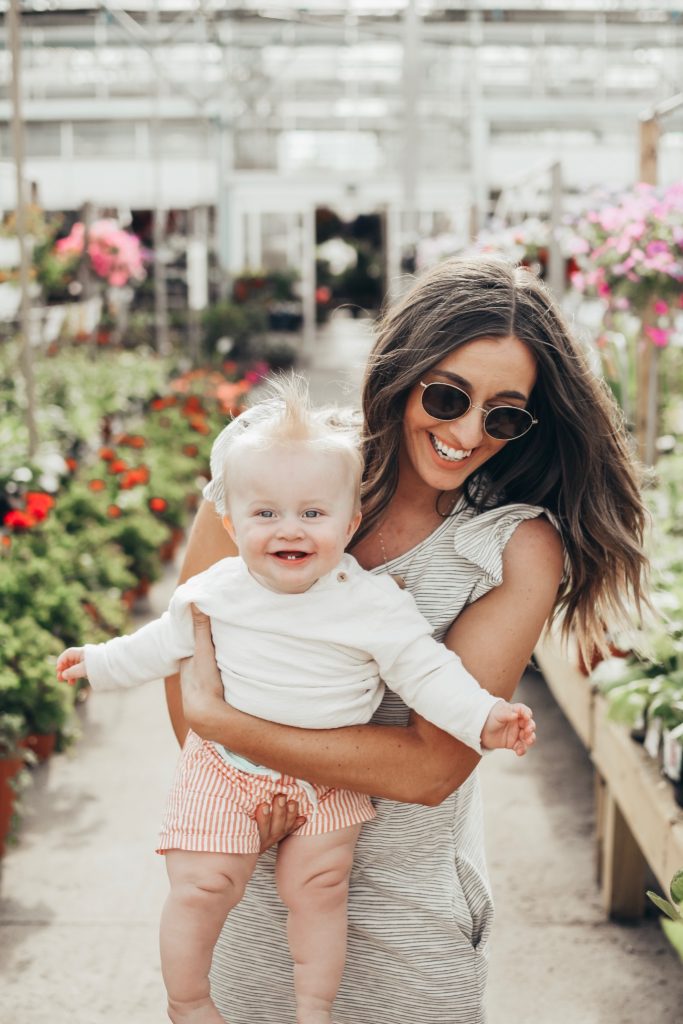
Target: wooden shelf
{"points": [[644, 798], [638, 822]]}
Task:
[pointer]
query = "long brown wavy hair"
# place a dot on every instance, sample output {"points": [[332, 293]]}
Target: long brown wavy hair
{"points": [[577, 463]]}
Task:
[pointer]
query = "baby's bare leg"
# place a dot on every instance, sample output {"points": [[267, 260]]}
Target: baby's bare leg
{"points": [[312, 876], [204, 888]]}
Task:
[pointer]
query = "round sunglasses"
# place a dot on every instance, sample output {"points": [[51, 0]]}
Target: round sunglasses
{"points": [[448, 402]]}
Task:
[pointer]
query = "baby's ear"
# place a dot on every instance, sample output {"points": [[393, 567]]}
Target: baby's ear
{"points": [[227, 525], [354, 524]]}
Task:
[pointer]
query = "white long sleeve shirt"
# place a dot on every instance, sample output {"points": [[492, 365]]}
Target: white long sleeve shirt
{"points": [[313, 660]]}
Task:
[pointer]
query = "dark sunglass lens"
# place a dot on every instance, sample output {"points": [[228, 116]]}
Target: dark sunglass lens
{"points": [[507, 423], [444, 402]]}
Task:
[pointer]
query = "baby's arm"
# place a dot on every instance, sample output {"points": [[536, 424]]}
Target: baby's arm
{"points": [[151, 653], [432, 680]]}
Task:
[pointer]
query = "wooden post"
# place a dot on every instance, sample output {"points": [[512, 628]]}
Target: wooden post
{"points": [[649, 141], [555, 256], [647, 384], [13, 26], [647, 392], [623, 865], [308, 282]]}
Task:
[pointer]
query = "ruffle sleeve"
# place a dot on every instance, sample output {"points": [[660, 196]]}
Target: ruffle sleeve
{"points": [[482, 539]]}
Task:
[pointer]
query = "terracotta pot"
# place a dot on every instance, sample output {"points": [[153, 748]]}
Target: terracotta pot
{"points": [[597, 657], [42, 744], [9, 767], [169, 547], [141, 589]]}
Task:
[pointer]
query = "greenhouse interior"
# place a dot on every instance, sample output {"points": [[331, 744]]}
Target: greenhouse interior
{"points": [[464, 222]]}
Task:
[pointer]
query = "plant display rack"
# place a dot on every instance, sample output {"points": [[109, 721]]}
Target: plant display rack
{"points": [[638, 822]]}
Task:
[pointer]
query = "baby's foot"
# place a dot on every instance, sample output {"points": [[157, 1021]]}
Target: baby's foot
{"points": [[201, 1012]]}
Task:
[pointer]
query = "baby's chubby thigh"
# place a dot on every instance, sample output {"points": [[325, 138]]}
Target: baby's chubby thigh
{"points": [[312, 874], [204, 889], [312, 871]]}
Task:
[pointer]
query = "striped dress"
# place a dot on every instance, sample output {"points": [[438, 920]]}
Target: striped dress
{"points": [[420, 908]]}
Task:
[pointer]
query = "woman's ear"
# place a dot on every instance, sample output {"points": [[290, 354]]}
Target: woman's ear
{"points": [[227, 525]]}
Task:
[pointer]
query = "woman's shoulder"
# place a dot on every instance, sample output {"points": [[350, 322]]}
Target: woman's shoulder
{"points": [[482, 537]]}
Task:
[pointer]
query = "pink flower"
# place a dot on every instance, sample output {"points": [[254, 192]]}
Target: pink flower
{"points": [[114, 254], [661, 308], [659, 336]]}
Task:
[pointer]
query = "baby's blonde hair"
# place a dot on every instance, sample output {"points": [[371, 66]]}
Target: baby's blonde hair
{"points": [[285, 417]]}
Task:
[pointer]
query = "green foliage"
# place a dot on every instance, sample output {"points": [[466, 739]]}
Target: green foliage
{"points": [[237, 322], [28, 686], [140, 536], [12, 726], [673, 922]]}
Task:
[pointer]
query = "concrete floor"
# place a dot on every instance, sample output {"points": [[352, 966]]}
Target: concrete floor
{"points": [[82, 890]]}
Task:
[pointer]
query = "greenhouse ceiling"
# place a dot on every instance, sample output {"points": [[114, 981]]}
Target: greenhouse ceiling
{"points": [[357, 80]]}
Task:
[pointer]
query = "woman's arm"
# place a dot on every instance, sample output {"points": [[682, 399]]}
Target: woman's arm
{"points": [[418, 764], [208, 543]]}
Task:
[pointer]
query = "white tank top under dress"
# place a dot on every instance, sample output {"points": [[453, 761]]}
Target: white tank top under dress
{"points": [[420, 908]]}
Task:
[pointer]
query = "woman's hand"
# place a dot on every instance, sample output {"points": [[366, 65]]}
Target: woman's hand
{"points": [[200, 680], [202, 689]]}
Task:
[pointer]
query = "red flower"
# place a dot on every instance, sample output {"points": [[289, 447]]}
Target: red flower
{"points": [[18, 519], [71, 465], [97, 485], [158, 504], [131, 441], [118, 466], [192, 404], [162, 403], [107, 454], [133, 477], [199, 425], [113, 511], [6, 541], [38, 504], [190, 450]]}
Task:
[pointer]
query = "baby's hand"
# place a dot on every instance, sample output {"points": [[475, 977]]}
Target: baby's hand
{"points": [[71, 665], [510, 727]]}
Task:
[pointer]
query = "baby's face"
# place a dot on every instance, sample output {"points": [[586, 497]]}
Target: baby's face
{"points": [[291, 513]]}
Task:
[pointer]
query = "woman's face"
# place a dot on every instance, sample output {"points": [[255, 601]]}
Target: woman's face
{"points": [[440, 454]]}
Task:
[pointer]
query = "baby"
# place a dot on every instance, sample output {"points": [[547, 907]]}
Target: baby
{"points": [[304, 637]]}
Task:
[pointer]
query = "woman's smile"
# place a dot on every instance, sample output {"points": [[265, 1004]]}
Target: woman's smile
{"points": [[446, 452]]}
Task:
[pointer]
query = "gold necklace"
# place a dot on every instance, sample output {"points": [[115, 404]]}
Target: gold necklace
{"points": [[397, 576]]}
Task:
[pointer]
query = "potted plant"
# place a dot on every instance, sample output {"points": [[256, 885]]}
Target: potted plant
{"points": [[12, 727], [672, 923]]}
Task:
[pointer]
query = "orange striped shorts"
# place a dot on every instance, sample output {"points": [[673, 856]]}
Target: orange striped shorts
{"points": [[212, 804]]}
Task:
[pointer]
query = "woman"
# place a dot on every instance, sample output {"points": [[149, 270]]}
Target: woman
{"points": [[500, 490]]}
